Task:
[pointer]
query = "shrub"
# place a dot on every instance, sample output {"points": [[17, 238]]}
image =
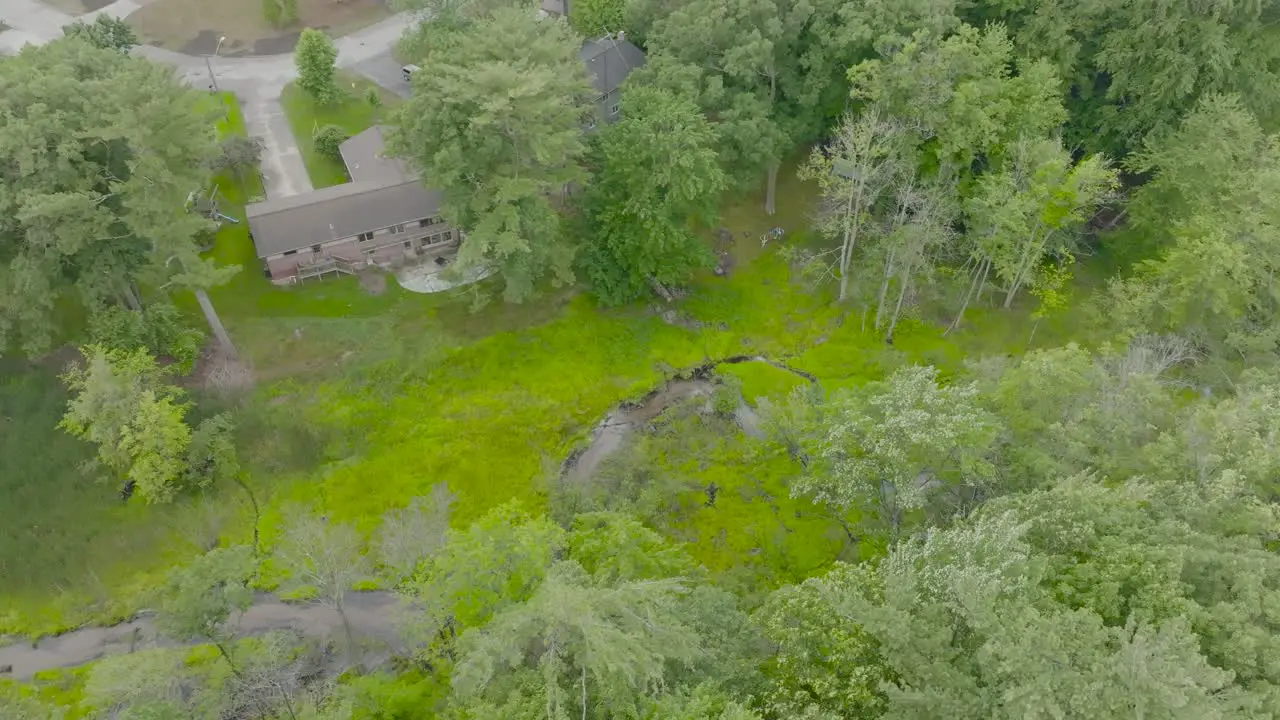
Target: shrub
{"points": [[159, 328], [328, 140]]}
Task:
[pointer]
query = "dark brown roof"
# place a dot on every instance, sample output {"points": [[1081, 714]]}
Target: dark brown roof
{"points": [[337, 212], [609, 60], [383, 192]]}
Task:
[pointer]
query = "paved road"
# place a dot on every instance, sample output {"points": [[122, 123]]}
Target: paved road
{"points": [[385, 71], [256, 80], [283, 172]]}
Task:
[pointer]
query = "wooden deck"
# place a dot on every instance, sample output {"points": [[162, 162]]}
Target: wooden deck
{"points": [[330, 265]]}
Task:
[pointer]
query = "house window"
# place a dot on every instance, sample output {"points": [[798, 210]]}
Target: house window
{"points": [[366, 236], [448, 235], [396, 229], [315, 248], [290, 252], [614, 109], [408, 244]]}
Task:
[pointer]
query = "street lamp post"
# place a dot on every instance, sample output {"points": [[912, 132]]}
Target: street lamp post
{"points": [[213, 81]]}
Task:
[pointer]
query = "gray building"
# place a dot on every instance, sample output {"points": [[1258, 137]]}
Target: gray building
{"points": [[609, 60], [386, 215]]}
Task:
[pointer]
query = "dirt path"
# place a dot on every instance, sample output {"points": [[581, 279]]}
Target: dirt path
{"points": [[373, 617]]}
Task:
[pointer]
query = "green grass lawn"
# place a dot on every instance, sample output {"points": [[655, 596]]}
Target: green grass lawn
{"points": [[352, 112], [365, 401], [69, 549]]}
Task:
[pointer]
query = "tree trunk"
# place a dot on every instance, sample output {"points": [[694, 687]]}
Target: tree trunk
{"points": [[884, 289], [897, 310], [288, 703], [257, 514], [130, 297], [979, 277], [1024, 266], [771, 189], [346, 624], [852, 209], [226, 656], [660, 289], [215, 323]]}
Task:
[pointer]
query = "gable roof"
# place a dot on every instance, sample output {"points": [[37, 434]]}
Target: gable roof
{"points": [[337, 212], [383, 192], [610, 60], [365, 161]]}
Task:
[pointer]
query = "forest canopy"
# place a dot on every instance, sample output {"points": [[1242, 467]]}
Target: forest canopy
{"points": [[907, 359]]}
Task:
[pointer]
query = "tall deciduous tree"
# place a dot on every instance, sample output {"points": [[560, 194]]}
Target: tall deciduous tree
{"points": [[412, 534], [901, 445], [823, 665], [495, 121], [866, 159], [1032, 208], [1212, 210], [326, 557], [106, 31], [315, 57], [916, 237], [960, 95], [237, 154], [657, 176], [742, 56], [274, 677], [100, 151], [121, 403], [969, 627], [591, 645], [198, 600], [1135, 69], [497, 561]]}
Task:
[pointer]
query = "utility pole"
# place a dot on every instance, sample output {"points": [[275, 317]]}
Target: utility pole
{"points": [[213, 81]]}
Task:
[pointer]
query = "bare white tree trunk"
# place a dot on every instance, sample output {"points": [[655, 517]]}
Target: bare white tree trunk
{"points": [[215, 323], [771, 189], [660, 289], [884, 289], [1030, 253], [897, 310], [979, 278]]}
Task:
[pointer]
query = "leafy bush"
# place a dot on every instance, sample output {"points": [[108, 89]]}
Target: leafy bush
{"points": [[328, 140], [159, 328]]}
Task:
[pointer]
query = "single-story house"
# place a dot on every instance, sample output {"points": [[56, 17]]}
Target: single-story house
{"points": [[386, 215]]}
